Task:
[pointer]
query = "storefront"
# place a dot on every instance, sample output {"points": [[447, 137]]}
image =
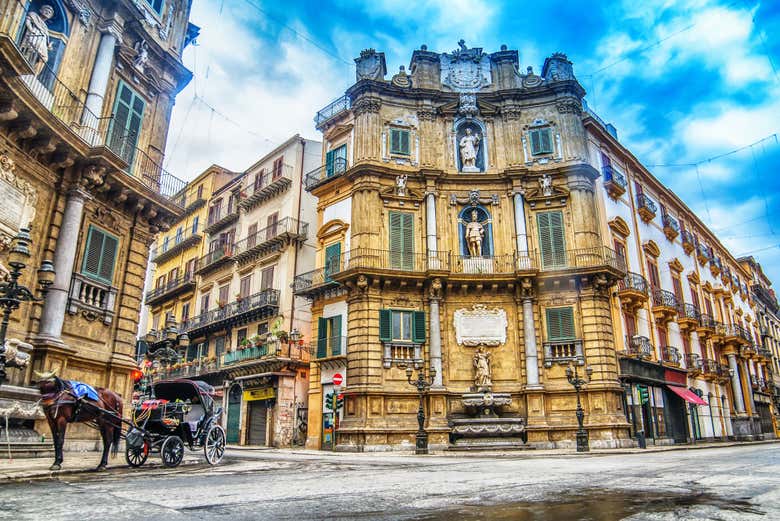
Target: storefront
{"points": [[259, 407], [657, 403]]}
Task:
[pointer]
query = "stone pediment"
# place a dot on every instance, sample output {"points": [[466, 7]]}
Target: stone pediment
{"points": [[409, 196], [552, 197], [452, 108]]}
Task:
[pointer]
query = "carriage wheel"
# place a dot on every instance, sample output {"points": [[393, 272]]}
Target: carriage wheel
{"points": [[136, 456], [172, 451], [214, 446]]}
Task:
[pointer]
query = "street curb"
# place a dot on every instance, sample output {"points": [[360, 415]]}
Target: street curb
{"points": [[54, 474]]}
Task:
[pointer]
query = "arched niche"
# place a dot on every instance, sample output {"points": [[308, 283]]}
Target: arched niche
{"points": [[59, 31], [461, 129], [483, 217]]}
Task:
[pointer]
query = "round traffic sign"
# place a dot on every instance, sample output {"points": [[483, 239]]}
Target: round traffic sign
{"points": [[338, 379]]}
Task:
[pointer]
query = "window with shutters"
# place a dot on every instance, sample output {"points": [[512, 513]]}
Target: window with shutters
{"points": [[173, 275], [241, 335], [195, 224], [125, 126], [165, 244], [399, 142], [401, 240], [267, 278], [200, 192], [271, 225], [204, 303], [652, 271], [552, 243], [179, 235], [245, 286], [402, 326], [541, 141], [157, 5], [251, 236], [219, 346], [278, 164], [336, 161], [329, 338], [224, 292], [262, 328], [185, 312], [190, 267], [630, 321], [560, 324], [100, 255], [332, 260]]}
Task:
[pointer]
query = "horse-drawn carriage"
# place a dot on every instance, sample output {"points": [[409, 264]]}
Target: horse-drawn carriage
{"points": [[178, 413]]}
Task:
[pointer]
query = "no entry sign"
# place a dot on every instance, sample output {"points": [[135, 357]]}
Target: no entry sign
{"points": [[338, 379]]}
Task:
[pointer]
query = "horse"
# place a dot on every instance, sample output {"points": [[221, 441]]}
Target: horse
{"points": [[61, 406]]}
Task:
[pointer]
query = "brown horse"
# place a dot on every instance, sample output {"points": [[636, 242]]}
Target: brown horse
{"points": [[61, 407]]}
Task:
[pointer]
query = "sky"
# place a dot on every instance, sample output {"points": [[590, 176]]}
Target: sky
{"points": [[693, 87]]}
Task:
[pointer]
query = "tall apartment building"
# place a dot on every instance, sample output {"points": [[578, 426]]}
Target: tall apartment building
{"points": [[86, 91], [249, 335], [478, 221]]}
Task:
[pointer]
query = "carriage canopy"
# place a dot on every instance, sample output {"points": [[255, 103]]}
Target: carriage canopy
{"points": [[194, 391]]}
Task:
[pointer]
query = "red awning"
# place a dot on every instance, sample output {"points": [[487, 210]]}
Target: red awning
{"points": [[687, 395]]}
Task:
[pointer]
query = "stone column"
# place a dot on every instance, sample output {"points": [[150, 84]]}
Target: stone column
{"points": [[56, 302], [101, 72], [736, 385], [430, 223], [749, 387], [520, 229], [435, 340], [529, 336]]}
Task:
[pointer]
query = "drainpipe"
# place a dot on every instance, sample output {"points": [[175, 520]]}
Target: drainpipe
{"points": [[298, 229]]}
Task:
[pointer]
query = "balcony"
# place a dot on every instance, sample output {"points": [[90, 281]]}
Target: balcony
{"points": [[671, 355], [764, 353], [646, 208], [266, 187], [715, 266], [614, 182], [688, 317], [330, 348], [490, 265], [693, 363], [270, 239], [221, 218], [688, 242], [563, 352], [736, 334], [632, 291], [748, 351], [324, 173], [703, 253], [165, 251], [711, 370], [191, 206], [170, 289], [725, 275], [401, 354], [254, 307], [330, 111], [273, 350], [639, 347], [671, 227], [317, 282], [587, 259], [95, 300], [367, 260], [214, 259], [707, 326], [665, 305]]}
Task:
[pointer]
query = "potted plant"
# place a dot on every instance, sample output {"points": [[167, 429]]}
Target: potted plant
{"points": [[244, 343], [282, 336]]}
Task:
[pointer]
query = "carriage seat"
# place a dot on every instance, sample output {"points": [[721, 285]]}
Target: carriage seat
{"points": [[194, 416]]}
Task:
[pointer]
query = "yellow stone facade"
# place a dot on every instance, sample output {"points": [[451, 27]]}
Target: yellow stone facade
{"points": [[420, 179], [98, 190]]}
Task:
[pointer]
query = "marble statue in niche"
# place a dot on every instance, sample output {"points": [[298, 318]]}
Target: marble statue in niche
{"points": [[469, 145], [141, 56], [35, 44], [545, 184], [475, 233], [482, 377], [400, 185]]}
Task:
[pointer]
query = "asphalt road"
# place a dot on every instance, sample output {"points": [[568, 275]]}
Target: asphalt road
{"points": [[725, 483]]}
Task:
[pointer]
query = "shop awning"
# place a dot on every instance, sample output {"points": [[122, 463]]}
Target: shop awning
{"points": [[687, 395]]}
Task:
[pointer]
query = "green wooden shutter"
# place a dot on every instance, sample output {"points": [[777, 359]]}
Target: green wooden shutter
{"points": [[399, 142], [551, 239], [418, 327], [560, 324], [329, 156], [546, 141], [126, 123], [536, 144], [322, 337], [100, 255], [402, 240], [335, 335], [385, 325], [332, 260]]}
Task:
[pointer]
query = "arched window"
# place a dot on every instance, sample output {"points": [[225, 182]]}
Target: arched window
{"points": [[44, 51], [468, 232]]}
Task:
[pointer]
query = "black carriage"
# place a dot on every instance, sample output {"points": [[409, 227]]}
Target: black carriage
{"points": [[176, 414]]}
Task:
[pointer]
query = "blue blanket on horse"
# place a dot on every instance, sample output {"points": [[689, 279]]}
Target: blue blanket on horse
{"points": [[82, 390]]}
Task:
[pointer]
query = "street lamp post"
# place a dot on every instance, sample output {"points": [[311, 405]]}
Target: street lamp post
{"points": [[422, 383], [12, 294], [574, 379]]}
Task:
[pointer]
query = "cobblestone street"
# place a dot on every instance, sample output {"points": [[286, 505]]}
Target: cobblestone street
{"points": [[741, 482]]}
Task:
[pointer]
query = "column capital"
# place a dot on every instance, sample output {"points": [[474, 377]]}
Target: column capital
{"points": [[113, 27], [78, 193]]}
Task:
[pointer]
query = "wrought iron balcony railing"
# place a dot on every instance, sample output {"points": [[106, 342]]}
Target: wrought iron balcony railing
{"points": [[332, 109], [614, 182], [287, 229], [646, 207], [175, 244], [581, 258], [266, 351], [332, 169], [268, 298], [141, 166], [664, 298], [706, 321], [671, 355], [639, 346], [693, 363], [688, 240], [212, 258], [689, 311], [563, 352], [266, 186], [170, 287], [633, 282], [671, 226]]}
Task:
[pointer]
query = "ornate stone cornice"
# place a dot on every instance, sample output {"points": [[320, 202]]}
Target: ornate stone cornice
{"points": [[569, 106], [366, 104]]}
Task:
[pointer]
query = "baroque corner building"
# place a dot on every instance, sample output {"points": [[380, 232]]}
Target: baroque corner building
{"points": [[459, 229], [86, 93]]}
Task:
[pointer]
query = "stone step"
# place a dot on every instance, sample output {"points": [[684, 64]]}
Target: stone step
{"points": [[27, 450], [477, 444]]}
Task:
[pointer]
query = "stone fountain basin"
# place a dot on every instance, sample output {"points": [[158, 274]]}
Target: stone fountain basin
{"points": [[487, 427]]}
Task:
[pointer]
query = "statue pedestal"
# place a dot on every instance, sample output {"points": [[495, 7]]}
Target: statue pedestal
{"points": [[470, 170]]}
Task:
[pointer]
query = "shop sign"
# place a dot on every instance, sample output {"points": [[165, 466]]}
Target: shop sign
{"points": [[265, 393]]}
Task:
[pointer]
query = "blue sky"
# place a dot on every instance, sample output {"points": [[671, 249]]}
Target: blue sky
{"points": [[683, 82]]}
